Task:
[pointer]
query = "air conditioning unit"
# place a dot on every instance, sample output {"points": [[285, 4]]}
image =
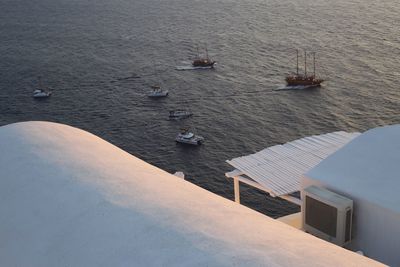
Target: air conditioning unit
{"points": [[327, 215]]}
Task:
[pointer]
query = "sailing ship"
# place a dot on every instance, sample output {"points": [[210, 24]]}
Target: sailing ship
{"points": [[203, 62], [304, 80]]}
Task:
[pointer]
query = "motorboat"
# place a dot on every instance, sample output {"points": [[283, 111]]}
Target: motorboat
{"points": [[179, 114], [189, 138], [157, 92], [40, 92]]}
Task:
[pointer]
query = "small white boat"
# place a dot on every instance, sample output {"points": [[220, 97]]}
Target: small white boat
{"points": [[179, 114], [157, 92], [41, 93], [189, 138]]}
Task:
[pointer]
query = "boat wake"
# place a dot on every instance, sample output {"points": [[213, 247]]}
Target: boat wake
{"points": [[133, 76]]}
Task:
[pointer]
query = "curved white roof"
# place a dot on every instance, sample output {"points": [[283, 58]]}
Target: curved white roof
{"points": [[368, 167], [69, 198]]}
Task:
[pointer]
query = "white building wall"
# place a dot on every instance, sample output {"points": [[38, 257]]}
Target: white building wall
{"points": [[69, 198], [376, 230]]}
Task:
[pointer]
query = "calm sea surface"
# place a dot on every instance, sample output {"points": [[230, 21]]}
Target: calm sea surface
{"points": [[101, 56]]}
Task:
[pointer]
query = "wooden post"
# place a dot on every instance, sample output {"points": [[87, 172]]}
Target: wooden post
{"points": [[237, 190]]}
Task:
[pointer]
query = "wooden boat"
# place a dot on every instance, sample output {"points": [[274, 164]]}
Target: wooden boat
{"points": [[203, 62], [304, 80]]}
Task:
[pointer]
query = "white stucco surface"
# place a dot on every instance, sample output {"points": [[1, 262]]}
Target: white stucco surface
{"points": [[69, 198], [366, 168]]}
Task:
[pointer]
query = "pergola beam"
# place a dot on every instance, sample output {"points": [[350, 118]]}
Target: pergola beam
{"points": [[237, 177]]}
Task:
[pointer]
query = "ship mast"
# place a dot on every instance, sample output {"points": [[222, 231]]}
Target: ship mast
{"points": [[305, 63], [206, 53], [314, 62], [297, 62]]}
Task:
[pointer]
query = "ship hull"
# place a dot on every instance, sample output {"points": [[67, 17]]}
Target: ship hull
{"points": [[203, 64], [310, 82]]}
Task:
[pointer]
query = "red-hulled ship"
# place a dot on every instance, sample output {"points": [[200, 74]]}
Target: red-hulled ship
{"points": [[203, 62], [304, 80]]}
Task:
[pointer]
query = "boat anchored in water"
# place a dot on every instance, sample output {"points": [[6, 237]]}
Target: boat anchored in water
{"points": [[203, 62], [179, 114], [187, 137], [157, 92], [304, 80], [40, 92]]}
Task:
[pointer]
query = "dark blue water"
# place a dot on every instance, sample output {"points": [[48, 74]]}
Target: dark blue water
{"points": [[90, 51]]}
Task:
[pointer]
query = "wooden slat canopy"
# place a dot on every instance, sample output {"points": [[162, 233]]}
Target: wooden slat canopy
{"points": [[278, 169]]}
